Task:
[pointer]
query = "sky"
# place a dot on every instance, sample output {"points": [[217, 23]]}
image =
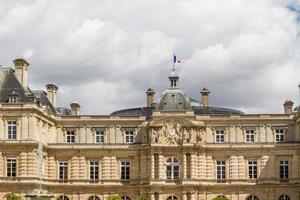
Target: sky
{"points": [[106, 54]]}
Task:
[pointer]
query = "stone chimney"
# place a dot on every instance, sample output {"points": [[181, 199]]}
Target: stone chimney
{"points": [[75, 108], [21, 71], [204, 99], [52, 94], [288, 107], [150, 97]]}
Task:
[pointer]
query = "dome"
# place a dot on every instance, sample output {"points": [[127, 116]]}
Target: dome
{"points": [[173, 100]]}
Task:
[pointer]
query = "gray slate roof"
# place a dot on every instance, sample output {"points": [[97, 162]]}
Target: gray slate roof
{"points": [[9, 85]]}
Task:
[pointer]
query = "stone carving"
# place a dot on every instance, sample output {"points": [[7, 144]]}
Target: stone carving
{"points": [[174, 133], [114, 130]]}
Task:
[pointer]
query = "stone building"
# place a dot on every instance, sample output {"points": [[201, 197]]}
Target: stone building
{"points": [[174, 148]]}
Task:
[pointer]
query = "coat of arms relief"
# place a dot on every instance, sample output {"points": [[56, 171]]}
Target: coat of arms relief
{"points": [[172, 132]]}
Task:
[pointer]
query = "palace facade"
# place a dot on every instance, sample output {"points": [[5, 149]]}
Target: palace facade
{"points": [[173, 148]]}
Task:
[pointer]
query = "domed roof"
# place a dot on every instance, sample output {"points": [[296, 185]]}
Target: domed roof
{"points": [[173, 99]]}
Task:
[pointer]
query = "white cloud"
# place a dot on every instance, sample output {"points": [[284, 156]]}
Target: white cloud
{"points": [[105, 54]]}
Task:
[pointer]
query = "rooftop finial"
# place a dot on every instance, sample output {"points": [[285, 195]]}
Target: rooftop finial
{"points": [[173, 77]]}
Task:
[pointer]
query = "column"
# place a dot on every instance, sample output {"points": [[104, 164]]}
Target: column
{"points": [[152, 197], [184, 166], [184, 196], [152, 167]]}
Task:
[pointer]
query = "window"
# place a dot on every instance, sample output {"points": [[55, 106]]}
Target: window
{"points": [[156, 196], [280, 135], [99, 136], [94, 197], [70, 137], [63, 171], [219, 136], [252, 169], [94, 170], [13, 99], [125, 198], [125, 170], [284, 170], [129, 137], [250, 135], [221, 170], [188, 165], [63, 197], [11, 167], [172, 168], [252, 198], [172, 198], [12, 130], [284, 197]]}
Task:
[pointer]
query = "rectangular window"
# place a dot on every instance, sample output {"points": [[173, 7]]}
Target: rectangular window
{"points": [[125, 170], [252, 169], [250, 135], [12, 130], [280, 135], [94, 171], [221, 170], [70, 137], [63, 171], [11, 167], [284, 170], [129, 137], [219, 136], [99, 136]]}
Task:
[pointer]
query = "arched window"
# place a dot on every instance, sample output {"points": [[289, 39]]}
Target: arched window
{"points": [[220, 197], [284, 197], [252, 197], [172, 168], [94, 197], [156, 196], [63, 197], [125, 198], [172, 198]]}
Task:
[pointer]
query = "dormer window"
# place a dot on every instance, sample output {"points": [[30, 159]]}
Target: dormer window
{"points": [[13, 97]]}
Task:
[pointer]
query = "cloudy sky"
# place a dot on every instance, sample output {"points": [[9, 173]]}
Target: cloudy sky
{"points": [[105, 54]]}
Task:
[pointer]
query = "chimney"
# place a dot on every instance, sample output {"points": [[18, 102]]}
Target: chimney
{"points": [[75, 108], [21, 71], [288, 107], [150, 97], [52, 94], [204, 99]]}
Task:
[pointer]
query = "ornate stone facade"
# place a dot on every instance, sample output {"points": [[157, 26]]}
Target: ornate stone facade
{"points": [[165, 153]]}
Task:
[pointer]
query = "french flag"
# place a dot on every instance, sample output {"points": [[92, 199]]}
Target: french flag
{"points": [[175, 60]]}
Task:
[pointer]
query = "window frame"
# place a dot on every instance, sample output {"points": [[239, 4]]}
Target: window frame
{"points": [[252, 169], [70, 137], [125, 170], [12, 129], [250, 136], [172, 169], [94, 169], [280, 135], [221, 167], [129, 137], [63, 170], [284, 197], [220, 136], [99, 137], [11, 171], [252, 197], [284, 170]]}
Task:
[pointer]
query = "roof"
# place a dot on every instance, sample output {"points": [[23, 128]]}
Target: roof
{"points": [[10, 85], [173, 99], [198, 110]]}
